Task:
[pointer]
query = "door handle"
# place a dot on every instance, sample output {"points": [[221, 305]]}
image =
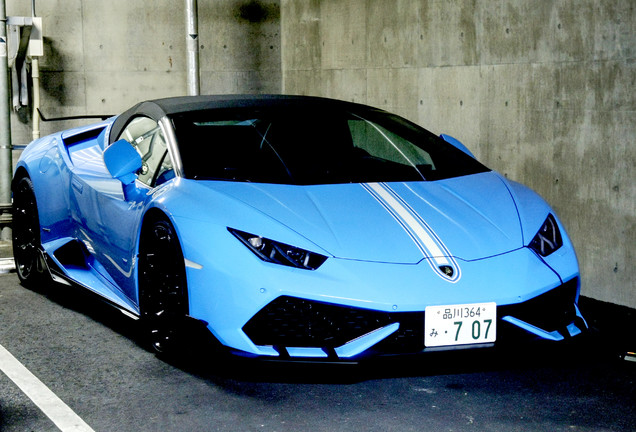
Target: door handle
{"points": [[77, 185]]}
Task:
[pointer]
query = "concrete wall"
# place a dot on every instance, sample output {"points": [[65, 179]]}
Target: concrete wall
{"points": [[102, 57], [542, 91]]}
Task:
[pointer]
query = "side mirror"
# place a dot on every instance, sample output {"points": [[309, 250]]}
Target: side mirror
{"points": [[122, 161], [457, 144]]}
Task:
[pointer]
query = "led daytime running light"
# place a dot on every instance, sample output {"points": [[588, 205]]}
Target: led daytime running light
{"points": [[548, 239]]}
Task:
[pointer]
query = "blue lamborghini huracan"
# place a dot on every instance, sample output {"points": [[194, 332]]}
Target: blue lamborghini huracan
{"points": [[293, 228]]}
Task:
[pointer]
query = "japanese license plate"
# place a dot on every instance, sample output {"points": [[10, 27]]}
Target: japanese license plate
{"points": [[460, 324]]}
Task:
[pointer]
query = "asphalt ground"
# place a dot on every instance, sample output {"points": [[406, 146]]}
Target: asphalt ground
{"points": [[94, 359]]}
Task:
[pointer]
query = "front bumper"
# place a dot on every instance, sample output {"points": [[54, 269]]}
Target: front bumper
{"points": [[291, 327]]}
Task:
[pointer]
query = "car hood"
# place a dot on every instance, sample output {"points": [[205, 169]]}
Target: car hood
{"points": [[470, 217]]}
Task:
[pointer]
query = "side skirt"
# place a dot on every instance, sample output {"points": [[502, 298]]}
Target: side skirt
{"points": [[59, 275]]}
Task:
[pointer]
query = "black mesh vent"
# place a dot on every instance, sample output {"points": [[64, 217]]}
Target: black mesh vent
{"points": [[551, 311], [294, 322]]}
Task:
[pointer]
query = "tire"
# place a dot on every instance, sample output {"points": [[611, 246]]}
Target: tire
{"points": [[27, 248], [163, 299]]}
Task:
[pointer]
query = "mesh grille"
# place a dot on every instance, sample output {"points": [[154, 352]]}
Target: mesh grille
{"points": [[290, 321], [550, 311]]}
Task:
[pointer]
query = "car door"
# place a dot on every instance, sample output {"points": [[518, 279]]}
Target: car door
{"points": [[114, 222]]}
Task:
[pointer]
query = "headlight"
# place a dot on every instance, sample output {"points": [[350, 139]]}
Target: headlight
{"points": [[548, 239], [279, 253]]}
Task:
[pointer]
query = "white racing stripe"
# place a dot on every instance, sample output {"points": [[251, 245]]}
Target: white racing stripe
{"points": [[60, 414], [431, 246]]}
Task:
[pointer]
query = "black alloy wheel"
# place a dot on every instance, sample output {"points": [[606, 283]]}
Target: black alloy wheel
{"points": [[29, 261], [162, 285]]}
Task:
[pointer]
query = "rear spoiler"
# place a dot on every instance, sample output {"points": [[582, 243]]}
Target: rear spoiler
{"points": [[80, 117]]}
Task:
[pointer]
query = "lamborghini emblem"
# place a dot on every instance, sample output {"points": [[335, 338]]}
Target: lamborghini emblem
{"points": [[447, 270]]}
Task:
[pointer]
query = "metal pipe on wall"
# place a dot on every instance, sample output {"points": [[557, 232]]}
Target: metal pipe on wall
{"points": [[6, 162], [35, 75], [192, 47]]}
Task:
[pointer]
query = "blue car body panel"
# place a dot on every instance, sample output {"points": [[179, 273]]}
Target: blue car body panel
{"points": [[385, 242]]}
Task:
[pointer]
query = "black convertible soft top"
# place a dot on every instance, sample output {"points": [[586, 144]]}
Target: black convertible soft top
{"points": [[159, 108], [309, 140]]}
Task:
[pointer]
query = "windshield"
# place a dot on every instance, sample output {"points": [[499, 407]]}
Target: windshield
{"points": [[304, 147]]}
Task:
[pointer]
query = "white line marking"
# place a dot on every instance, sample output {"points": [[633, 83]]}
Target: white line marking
{"points": [[51, 405], [420, 232], [428, 242]]}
